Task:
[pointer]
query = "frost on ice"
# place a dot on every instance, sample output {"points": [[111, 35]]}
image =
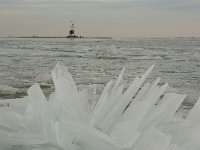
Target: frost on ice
{"points": [[142, 117]]}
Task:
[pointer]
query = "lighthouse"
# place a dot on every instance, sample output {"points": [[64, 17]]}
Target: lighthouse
{"points": [[72, 32]]}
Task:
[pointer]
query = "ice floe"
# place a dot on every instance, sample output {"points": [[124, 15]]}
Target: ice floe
{"points": [[141, 117]]}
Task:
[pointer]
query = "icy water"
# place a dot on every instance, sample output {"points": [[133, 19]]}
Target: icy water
{"points": [[93, 62]]}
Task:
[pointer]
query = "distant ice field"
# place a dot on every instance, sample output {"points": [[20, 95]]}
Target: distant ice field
{"points": [[93, 62]]}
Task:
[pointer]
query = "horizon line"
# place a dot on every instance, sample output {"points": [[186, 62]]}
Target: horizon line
{"points": [[99, 37]]}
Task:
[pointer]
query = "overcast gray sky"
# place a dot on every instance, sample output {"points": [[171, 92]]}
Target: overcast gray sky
{"points": [[117, 18]]}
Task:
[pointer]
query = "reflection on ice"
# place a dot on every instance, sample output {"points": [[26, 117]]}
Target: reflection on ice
{"points": [[142, 117]]}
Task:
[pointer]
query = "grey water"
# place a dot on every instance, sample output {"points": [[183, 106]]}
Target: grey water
{"points": [[93, 62]]}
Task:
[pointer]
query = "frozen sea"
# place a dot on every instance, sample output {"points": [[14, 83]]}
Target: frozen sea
{"points": [[93, 62]]}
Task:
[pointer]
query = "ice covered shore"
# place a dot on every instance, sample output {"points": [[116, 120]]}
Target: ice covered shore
{"points": [[142, 117]]}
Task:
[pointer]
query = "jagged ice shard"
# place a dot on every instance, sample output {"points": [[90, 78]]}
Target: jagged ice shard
{"points": [[142, 117]]}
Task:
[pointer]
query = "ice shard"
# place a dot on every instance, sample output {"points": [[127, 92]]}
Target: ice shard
{"points": [[141, 117], [194, 114]]}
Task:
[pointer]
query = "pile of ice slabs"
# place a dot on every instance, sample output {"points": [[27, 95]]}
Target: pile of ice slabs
{"points": [[142, 117]]}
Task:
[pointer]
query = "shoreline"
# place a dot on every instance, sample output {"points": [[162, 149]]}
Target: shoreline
{"points": [[42, 37]]}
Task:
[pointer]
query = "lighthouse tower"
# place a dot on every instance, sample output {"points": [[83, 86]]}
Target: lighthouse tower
{"points": [[72, 32]]}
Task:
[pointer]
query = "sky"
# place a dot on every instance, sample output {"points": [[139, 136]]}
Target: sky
{"points": [[115, 18]]}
